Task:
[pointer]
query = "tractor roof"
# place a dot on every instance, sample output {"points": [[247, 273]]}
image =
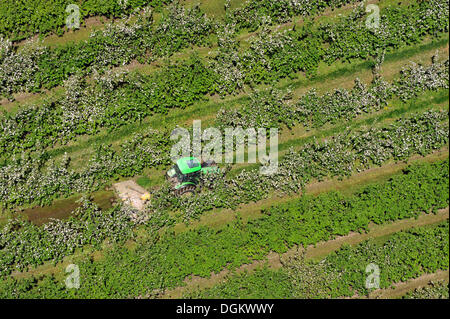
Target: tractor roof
{"points": [[188, 165]]}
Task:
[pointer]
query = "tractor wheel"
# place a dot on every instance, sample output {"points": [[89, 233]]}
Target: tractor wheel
{"points": [[186, 191]]}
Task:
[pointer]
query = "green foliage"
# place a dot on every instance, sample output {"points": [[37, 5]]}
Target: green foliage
{"points": [[110, 101], [435, 290], [403, 256], [22, 19], [23, 243], [255, 13], [351, 38], [276, 55], [50, 16], [158, 264], [179, 26], [342, 273], [273, 56], [270, 57], [117, 44], [337, 156], [259, 284], [34, 179], [273, 108]]}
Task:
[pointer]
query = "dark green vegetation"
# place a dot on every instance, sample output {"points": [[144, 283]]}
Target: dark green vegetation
{"points": [[164, 262], [343, 273], [262, 283], [270, 57]]}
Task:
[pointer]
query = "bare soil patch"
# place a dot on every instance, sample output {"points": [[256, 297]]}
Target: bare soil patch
{"points": [[131, 193], [62, 208]]}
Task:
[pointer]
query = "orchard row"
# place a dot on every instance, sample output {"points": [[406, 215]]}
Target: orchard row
{"points": [[163, 261], [24, 244]]}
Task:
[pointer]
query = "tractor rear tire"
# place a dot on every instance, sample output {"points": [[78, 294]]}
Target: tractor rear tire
{"points": [[186, 191]]}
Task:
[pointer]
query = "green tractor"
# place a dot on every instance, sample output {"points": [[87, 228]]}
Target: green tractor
{"points": [[185, 174]]}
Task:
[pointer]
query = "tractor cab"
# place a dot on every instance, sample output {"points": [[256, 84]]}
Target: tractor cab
{"points": [[185, 174]]}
